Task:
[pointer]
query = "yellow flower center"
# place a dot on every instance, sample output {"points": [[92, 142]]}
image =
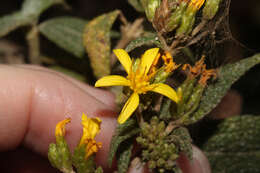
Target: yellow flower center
{"points": [[139, 83]]}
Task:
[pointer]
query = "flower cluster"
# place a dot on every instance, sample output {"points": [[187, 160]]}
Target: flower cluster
{"points": [[91, 127]]}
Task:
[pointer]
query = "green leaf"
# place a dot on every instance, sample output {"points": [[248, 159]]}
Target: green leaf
{"points": [[82, 164], [33, 9], [235, 146], [10, 22], [182, 139], [28, 15], [123, 132], [66, 32], [227, 75], [148, 40], [137, 5], [97, 42], [124, 157]]}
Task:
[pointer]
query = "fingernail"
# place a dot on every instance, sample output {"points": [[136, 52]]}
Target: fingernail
{"points": [[201, 160], [137, 166]]}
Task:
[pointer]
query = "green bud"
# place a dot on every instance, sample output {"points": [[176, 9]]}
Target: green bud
{"points": [[176, 16], [82, 164], [161, 127], [187, 89], [150, 7], [151, 164], [99, 170], [192, 104], [194, 98], [210, 9], [59, 155], [160, 76], [160, 162], [188, 19], [53, 156]]}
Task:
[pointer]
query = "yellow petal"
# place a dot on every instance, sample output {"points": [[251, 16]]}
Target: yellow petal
{"points": [[124, 59], [60, 127], [129, 107], [148, 59], [165, 90], [91, 127], [112, 80]]}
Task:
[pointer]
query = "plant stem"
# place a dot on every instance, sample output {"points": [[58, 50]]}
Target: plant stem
{"points": [[34, 45]]}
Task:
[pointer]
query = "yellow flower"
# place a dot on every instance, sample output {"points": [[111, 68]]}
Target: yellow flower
{"points": [[196, 4], [60, 127], [91, 127], [137, 79]]}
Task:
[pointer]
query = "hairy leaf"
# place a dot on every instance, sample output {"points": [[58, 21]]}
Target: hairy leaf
{"points": [[181, 137], [124, 157], [148, 40], [66, 32], [97, 42], [10, 22], [227, 75], [123, 132], [137, 5], [33, 9], [235, 147], [28, 15], [82, 164]]}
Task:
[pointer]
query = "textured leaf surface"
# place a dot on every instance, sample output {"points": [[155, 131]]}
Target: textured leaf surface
{"points": [[227, 75], [66, 32], [181, 137], [149, 40], [235, 146], [124, 157], [97, 42], [123, 132], [137, 5], [33, 8], [10, 22]]}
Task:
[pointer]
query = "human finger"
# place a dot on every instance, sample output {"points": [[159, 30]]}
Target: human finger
{"points": [[33, 101]]}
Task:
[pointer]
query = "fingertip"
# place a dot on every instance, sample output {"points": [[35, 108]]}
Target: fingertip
{"points": [[202, 160], [199, 163]]}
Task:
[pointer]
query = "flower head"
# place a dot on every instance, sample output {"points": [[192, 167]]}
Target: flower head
{"points": [[138, 80], [91, 127], [60, 127]]}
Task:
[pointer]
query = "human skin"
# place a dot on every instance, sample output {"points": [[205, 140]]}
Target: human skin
{"points": [[34, 99]]}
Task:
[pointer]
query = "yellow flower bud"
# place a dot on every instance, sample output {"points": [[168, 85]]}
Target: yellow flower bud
{"points": [[91, 127], [60, 127]]}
